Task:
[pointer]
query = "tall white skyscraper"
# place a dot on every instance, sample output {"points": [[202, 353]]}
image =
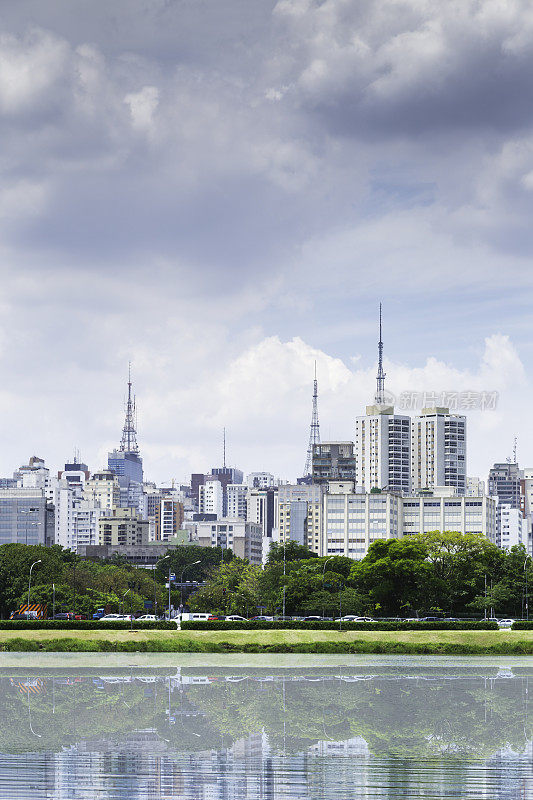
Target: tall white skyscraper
{"points": [[383, 441], [438, 450], [211, 497]]}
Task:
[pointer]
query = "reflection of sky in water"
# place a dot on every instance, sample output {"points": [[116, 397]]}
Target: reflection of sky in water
{"points": [[461, 730]]}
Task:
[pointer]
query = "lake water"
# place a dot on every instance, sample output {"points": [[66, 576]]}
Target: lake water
{"points": [[243, 728]]}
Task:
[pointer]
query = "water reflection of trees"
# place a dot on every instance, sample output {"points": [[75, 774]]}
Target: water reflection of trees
{"points": [[415, 716]]}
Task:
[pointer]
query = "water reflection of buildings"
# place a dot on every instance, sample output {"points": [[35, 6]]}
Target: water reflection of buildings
{"points": [[190, 756]]}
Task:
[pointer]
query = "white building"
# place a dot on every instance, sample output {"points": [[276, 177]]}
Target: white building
{"points": [[353, 520], [438, 450], [76, 518], [211, 497], [430, 512], [261, 480], [475, 487], [382, 449], [237, 494], [103, 489], [243, 538], [511, 528]]}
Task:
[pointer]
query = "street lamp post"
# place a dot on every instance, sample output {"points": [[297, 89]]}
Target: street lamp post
{"points": [[155, 584], [185, 568], [323, 576], [30, 510], [29, 582], [169, 573], [123, 596], [526, 588]]}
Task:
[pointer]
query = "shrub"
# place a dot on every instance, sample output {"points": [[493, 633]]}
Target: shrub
{"points": [[220, 625], [521, 625], [80, 625]]}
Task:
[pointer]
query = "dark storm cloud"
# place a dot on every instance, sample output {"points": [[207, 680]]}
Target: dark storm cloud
{"points": [[411, 68]]}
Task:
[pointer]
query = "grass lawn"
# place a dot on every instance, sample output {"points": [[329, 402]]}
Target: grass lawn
{"points": [[312, 641]]}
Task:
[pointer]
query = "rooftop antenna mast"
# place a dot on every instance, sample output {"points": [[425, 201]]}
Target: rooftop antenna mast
{"points": [[128, 443], [514, 450], [224, 448], [380, 388], [314, 432]]}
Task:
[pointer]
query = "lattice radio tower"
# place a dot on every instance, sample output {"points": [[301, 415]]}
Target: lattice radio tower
{"points": [[314, 432], [380, 388], [128, 442]]}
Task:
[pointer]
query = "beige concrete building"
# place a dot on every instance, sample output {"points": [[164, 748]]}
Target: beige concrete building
{"points": [[353, 520], [169, 516], [233, 533], [103, 488], [124, 527], [298, 514]]}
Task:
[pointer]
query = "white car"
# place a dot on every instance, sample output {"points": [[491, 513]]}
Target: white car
{"points": [[115, 618], [235, 618], [147, 618], [505, 623]]}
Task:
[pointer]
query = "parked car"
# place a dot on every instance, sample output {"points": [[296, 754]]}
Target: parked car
{"points": [[147, 618], [354, 618], [235, 618], [505, 623], [262, 619], [115, 618], [99, 613], [312, 619], [81, 616], [63, 615]]}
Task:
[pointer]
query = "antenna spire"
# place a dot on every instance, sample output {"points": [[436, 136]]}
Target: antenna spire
{"points": [[128, 443], [224, 448], [314, 432], [380, 381]]}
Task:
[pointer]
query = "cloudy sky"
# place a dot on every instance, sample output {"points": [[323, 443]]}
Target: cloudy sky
{"points": [[222, 192]]}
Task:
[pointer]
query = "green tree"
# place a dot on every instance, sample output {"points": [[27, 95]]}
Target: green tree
{"points": [[291, 551], [397, 577], [460, 563], [232, 588], [15, 563]]}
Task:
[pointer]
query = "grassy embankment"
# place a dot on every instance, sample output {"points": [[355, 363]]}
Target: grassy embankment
{"points": [[275, 641]]}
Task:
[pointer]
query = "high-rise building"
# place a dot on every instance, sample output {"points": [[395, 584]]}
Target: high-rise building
{"points": [[260, 510], [123, 527], [438, 450], [260, 480], [237, 494], [245, 539], [23, 516], [383, 440], [103, 488], [211, 497], [75, 474], [226, 475], [505, 483], [169, 519], [512, 528], [297, 515], [333, 461]]}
